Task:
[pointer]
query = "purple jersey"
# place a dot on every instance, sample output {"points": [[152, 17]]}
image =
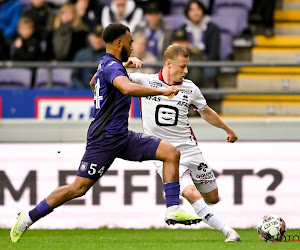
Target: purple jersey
{"points": [[111, 107]]}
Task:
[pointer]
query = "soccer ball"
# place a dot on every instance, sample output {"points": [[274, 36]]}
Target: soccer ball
{"points": [[271, 228]]}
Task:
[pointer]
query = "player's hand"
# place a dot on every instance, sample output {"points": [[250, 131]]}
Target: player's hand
{"points": [[133, 62], [231, 137], [171, 91]]}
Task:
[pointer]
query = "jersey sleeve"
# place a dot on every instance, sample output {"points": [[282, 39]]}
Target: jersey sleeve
{"points": [[113, 70], [139, 78], [198, 101]]}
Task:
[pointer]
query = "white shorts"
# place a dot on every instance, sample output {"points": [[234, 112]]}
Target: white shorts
{"points": [[193, 170]]}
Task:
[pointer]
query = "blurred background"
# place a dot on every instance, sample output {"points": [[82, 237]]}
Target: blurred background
{"points": [[245, 58]]}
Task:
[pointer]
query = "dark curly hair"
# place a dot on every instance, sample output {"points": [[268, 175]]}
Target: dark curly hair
{"points": [[113, 31]]}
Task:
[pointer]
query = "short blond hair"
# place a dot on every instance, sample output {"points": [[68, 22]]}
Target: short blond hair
{"points": [[175, 50]]}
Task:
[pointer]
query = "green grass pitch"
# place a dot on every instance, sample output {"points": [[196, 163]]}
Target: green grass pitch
{"points": [[169, 239]]}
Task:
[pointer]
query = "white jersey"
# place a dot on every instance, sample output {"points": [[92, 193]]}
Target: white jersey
{"points": [[167, 118]]}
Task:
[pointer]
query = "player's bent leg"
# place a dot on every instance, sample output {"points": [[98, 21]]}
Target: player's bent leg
{"points": [[170, 155], [214, 220], [59, 196]]}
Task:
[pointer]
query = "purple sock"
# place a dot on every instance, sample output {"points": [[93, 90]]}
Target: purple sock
{"points": [[41, 210], [172, 190]]}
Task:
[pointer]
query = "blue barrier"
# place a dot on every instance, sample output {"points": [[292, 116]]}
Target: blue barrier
{"points": [[51, 104]]}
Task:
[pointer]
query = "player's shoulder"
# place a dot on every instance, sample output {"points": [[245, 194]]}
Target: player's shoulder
{"points": [[109, 61], [187, 83], [142, 76]]}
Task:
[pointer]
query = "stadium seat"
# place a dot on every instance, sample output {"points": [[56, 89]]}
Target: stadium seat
{"points": [[16, 78], [232, 19], [61, 78], [174, 21], [248, 4], [226, 45]]}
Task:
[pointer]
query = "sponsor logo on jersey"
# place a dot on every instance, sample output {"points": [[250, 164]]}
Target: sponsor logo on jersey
{"points": [[112, 63], [186, 91], [155, 84], [153, 98]]}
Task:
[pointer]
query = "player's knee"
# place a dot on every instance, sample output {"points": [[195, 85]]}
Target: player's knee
{"points": [[174, 154], [191, 194], [78, 190]]}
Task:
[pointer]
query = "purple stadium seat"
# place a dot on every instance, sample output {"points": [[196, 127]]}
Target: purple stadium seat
{"points": [[233, 19], [205, 2], [177, 7], [248, 4], [61, 78], [16, 78], [226, 45], [174, 21]]}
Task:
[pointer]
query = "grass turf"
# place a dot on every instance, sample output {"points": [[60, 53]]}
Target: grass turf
{"points": [[104, 238]]}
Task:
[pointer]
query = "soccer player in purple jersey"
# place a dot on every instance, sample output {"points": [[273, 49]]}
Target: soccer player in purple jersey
{"points": [[108, 136]]}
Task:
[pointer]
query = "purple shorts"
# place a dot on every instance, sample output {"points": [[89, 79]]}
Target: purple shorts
{"points": [[99, 155]]}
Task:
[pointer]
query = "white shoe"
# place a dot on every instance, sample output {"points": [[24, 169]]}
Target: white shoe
{"points": [[232, 236]]}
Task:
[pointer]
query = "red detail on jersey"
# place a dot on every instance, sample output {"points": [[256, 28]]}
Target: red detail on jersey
{"points": [[131, 111], [266, 217], [160, 77], [192, 133]]}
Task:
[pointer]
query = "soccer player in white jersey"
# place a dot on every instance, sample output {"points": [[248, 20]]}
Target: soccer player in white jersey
{"points": [[167, 118]]}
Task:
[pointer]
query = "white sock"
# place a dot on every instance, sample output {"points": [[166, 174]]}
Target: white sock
{"points": [[226, 230], [208, 215], [25, 223]]}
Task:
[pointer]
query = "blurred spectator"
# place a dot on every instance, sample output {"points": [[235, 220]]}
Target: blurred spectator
{"points": [[204, 36], [26, 46], [195, 74], [265, 9], [10, 13], [89, 11], [139, 50], [69, 33], [158, 34], [56, 4], [123, 11], [41, 14], [81, 76], [3, 47], [164, 5]]}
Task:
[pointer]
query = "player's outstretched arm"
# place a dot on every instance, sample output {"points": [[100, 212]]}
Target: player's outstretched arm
{"points": [[209, 115], [129, 88]]}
